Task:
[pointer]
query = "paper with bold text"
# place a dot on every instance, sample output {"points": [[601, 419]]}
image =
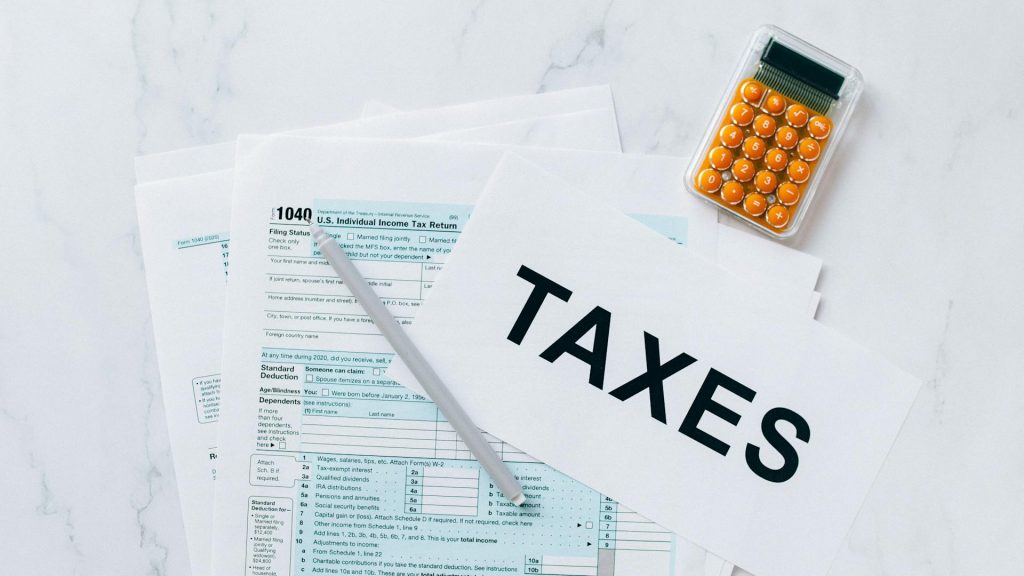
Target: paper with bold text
{"points": [[750, 431]]}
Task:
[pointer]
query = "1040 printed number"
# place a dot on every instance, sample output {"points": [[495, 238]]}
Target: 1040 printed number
{"points": [[292, 213]]}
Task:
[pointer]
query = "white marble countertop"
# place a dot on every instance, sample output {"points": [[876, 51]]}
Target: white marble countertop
{"points": [[922, 243]]}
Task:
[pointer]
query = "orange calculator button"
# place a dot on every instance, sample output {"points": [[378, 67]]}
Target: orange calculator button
{"points": [[809, 149], [778, 216], [819, 127], [741, 114], [743, 170], [709, 180], [752, 92], [764, 125], [730, 136], [774, 104], [754, 147], [797, 115], [766, 181], [788, 193], [755, 204], [732, 192], [776, 159], [786, 137], [799, 171], [720, 158]]}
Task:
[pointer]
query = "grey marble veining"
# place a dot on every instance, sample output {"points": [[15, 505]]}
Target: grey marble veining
{"points": [[918, 225]]}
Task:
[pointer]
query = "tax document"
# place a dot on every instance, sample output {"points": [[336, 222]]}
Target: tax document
{"points": [[184, 224], [654, 376], [333, 466]]}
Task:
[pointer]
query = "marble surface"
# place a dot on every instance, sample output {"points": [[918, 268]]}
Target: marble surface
{"points": [[921, 242]]}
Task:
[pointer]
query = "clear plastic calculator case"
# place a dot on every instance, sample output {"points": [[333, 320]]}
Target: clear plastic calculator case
{"points": [[775, 131]]}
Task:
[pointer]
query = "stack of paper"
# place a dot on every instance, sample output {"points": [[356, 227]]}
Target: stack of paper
{"points": [[295, 453]]}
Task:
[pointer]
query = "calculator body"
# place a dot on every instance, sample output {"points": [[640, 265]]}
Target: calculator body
{"points": [[775, 131]]}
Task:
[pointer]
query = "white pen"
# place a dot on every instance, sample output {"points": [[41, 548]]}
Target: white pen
{"points": [[419, 367]]}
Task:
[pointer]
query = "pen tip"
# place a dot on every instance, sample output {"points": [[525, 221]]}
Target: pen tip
{"points": [[519, 499]]}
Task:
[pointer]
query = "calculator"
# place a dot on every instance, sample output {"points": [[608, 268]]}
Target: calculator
{"points": [[774, 132]]}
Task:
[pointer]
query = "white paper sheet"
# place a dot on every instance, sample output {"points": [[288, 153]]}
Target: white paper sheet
{"points": [[775, 499], [221, 156], [184, 225], [766, 260], [272, 313], [774, 265], [522, 132], [597, 127]]}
